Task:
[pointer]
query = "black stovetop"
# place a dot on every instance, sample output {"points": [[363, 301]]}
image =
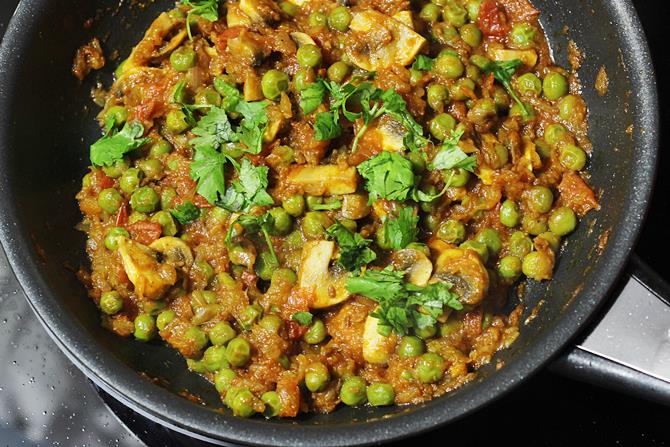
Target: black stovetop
{"points": [[45, 400]]}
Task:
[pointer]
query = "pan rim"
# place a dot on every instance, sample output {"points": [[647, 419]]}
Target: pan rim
{"points": [[169, 409]]}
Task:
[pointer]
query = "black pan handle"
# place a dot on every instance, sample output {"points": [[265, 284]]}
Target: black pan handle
{"points": [[628, 348]]}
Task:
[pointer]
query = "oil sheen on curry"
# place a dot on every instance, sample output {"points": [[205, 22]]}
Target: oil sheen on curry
{"points": [[322, 204]]}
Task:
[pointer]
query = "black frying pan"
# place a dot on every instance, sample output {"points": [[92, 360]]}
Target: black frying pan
{"points": [[48, 123]]}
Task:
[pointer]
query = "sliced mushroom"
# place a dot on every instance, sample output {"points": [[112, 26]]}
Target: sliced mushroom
{"points": [[464, 269], [150, 277], [415, 263], [355, 206], [324, 179], [382, 41], [260, 11], [404, 17], [235, 17], [528, 57], [302, 39], [388, 132], [530, 159], [175, 251], [315, 274], [377, 348]]}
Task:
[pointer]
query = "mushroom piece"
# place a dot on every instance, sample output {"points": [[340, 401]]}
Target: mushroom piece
{"points": [[302, 39], [175, 251], [324, 179], [150, 277], [383, 41], [464, 269], [415, 263], [329, 287], [377, 348], [528, 57], [260, 11]]}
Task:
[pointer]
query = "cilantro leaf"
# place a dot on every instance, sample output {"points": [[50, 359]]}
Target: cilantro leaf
{"points": [[231, 96], [403, 230], [451, 156], [207, 9], [388, 175], [256, 224], [253, 125], [213, 130], [312, 97], [249, 190], [378, 285], [179, 98], [503, 72], [423, 63], [207, 170], [327, 126], [327, 206], [303, 318], [354, 251], [111, 148], [185, 213]]}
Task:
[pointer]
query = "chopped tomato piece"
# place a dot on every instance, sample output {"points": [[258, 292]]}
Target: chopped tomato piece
{"points": [[492, 19], [145, 232]]}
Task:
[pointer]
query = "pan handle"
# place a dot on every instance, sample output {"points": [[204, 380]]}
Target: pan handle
{"points": [[628, 349]]}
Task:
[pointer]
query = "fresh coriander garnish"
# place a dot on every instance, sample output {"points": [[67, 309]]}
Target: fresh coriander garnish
{"points": [[303, 318], [336, 204], [503, 72], [354, 249], [213, 130], [312, 97], [207, 168], [207, 9], [423, 63], [450, 156], [113, 146], [403, 306], [388, 175], [185, 213], [248, 190], [402, 230], [255, 224]]}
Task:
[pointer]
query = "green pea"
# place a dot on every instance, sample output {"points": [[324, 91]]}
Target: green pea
{"points": [[223, 379], [208, 96], [441, 126], [117, 168], [437, 95], [426, 332], [529, 84], [353, 391], [152, 168], [118, 115], [339, 18], [451, 231], [562, 221], [316, 332], [572, 157], [540, 199], [309, 55], [501, 98], [274, 82], [250, 315], [415, 76], [214, 358], [145, 327], [86, 181], [418, 162], [380, 238], [456, 177], [318, 19], [534, 225], [314, 224], [454, 13], [294, 205], [202, 267], [522, 35], [338, 71], [554, 86], [472, 72], [130, 180], [110, 200], [410, 346], [471, 34], [182, 59], [136, 216], [282, 222], [112, 238], [196, 338], [164, 318], [451, 327], [175, 122], [380, 394], [289, 8], [459, 89], [271, 323], [543, 149], [490, 238], [472, 6], [241, 402], [144, 200], [479, 61], [444, 33], [478, 247], [537, 265], [167, 223], [448, 65], [119, 70], [196, 366], [238, 351], [221, 333], [265, 265], [430, 368], [509, 214], [284, 361], [482, 111], [509, 267], [570, 108], [273, 405], [168, 194], [555, 133], [430, 12], [317, 377], [111, 302], [550, 238], [526, 116]]}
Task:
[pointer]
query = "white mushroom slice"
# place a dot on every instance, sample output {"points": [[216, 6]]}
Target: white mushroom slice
{"points": [[377, 348], [150, 278], [302, 39], [252, 10], [383, 41], [388, 132], [530, 159], [464, 269], [315, 274], [528, 57], [323, 180], [235, 17], [415, 263], [175, 251], [404, 17], [355, 206]]}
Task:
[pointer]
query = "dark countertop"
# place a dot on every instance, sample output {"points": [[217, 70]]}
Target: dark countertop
{"points": [[59, 407]]}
